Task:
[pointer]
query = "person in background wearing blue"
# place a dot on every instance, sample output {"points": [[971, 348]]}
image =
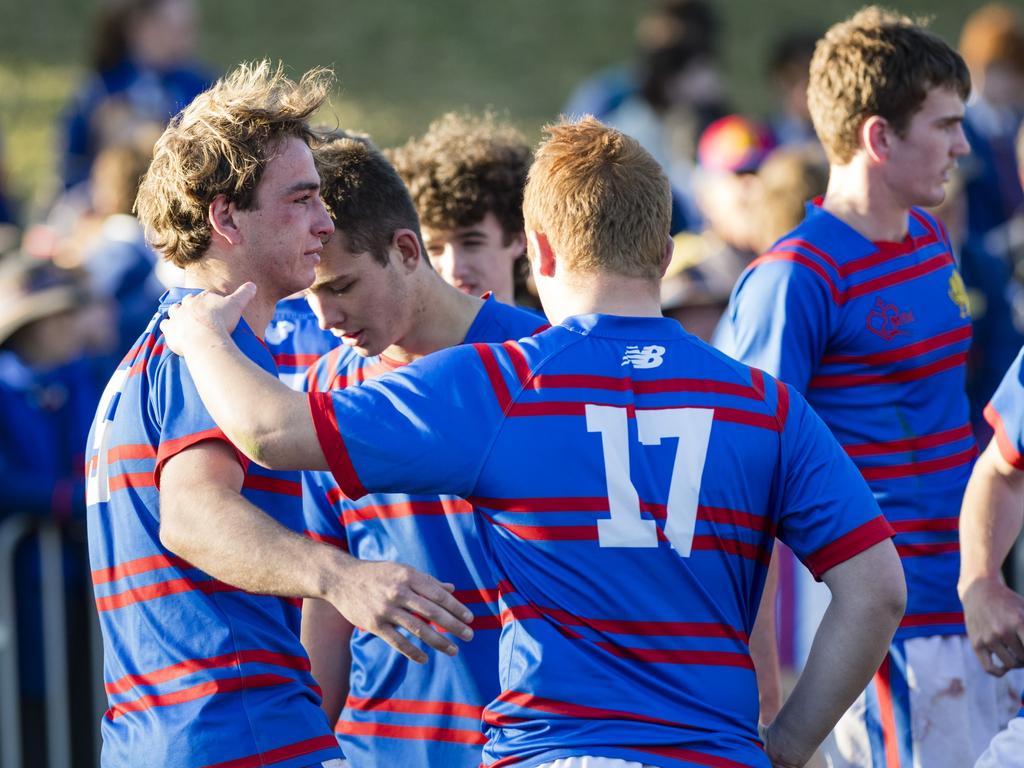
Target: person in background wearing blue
{"points": [[142, 69], [47, 397]]}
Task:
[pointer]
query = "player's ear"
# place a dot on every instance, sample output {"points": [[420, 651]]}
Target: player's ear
{"points": [[876, 138], [407, 245], [222, 215], [543, 254], [666, 257]]}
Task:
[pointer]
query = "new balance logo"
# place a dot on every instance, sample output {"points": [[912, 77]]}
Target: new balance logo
{"points": [[650, 356]]}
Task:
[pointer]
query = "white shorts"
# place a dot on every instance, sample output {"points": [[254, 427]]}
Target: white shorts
{"points": [[930, 705], [1006, 749], [587, 761]]}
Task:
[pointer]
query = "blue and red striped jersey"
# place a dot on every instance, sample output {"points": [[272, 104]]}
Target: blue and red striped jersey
{"points": [[629, 482], [876, 336], [197, 672], [400, 713], [296, 340]]}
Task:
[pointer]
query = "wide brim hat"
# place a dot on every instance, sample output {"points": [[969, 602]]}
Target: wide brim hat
{"points": [[31, 290]]}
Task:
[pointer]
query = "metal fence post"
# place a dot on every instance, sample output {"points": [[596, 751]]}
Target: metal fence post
{"points": [[12, 531], [55, 646]]}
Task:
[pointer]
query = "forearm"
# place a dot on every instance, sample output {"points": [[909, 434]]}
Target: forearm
{"points": [[990, 520], [848, 647], [764, 648], [220, 532], [326, 635]]}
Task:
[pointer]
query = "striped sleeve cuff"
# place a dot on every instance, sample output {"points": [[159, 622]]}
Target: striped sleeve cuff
{"points": [[848, 545], [325, 422]]}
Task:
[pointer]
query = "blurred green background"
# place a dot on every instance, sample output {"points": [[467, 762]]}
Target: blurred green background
{"points": [[399, 62]]}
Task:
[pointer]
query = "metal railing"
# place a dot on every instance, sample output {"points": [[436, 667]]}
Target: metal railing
{"points": [[49, 539]]}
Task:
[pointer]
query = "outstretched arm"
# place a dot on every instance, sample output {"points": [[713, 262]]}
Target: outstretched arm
{"points": [[205, 520], [266, 420], [990, 521], [868, 598]]}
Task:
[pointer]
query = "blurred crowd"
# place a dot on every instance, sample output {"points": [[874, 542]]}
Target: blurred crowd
{"points": [[78, 285]]}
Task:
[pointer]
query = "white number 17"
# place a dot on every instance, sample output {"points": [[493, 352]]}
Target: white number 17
{"points": [[692, 428]]}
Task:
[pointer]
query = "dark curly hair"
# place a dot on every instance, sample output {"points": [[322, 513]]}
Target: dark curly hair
{"points": [[463, 168]]}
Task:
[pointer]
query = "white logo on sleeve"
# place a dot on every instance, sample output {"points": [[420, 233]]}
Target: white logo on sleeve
{"points": [[650, 356]]}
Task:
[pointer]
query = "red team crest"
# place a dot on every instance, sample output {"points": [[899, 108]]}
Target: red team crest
{"points": [[887, 320]]}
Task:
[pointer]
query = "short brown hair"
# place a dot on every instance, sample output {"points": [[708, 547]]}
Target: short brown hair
{"points": [[993, 34], [601, 200], [463, 168], [364, 193], [220, 144], [876, 63]]}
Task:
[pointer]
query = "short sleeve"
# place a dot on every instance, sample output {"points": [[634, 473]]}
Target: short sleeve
{"points": [[178, 411], [827, 513], [425, 428], [1005, 413], [777, 320]]}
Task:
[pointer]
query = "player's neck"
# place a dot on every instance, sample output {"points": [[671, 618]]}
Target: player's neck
{"points": [[442, 318], [865, 203], [601, 293], [218, 276]]}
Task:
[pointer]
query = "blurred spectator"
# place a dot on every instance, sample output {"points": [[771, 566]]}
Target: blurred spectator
{"points": [[8, 214], [705, 266], [987, 282], [142, 70], [992, 45], [789, 66], [1006, 242], [678, 92], [790, 177], [47, 399]]}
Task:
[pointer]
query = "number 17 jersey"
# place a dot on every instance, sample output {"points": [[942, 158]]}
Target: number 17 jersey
{"points": [[629, 482]]}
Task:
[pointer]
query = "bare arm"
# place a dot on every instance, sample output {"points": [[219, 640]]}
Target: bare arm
{"points": [[205, 520], [990, 521], [266, 420], [764, 650], [868, 598], [325, 635]]}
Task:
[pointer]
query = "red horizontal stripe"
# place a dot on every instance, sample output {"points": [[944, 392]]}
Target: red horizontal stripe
{"points": [[161, 589], [139, 565], [295, 359], [127, 452], [899, 276], [272, 485], [915, 468], [626, 384], [570, 408], [896, 377], [925, 550], [905, 352], [886, 252], [647, 628], [936, 525], [336, 541], [568, 709], [406, 509], [795, 242], [299, 748], [929, 619], [415, 707], [199, 691], [131, 480], [414, 732], [189, 666], [917, 443], [142, 354], [476, 595]]}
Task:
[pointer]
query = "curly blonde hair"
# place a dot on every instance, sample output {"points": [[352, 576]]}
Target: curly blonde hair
{"points": [[602, 201], [876, 63], [220, 144], [463, 168]]}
